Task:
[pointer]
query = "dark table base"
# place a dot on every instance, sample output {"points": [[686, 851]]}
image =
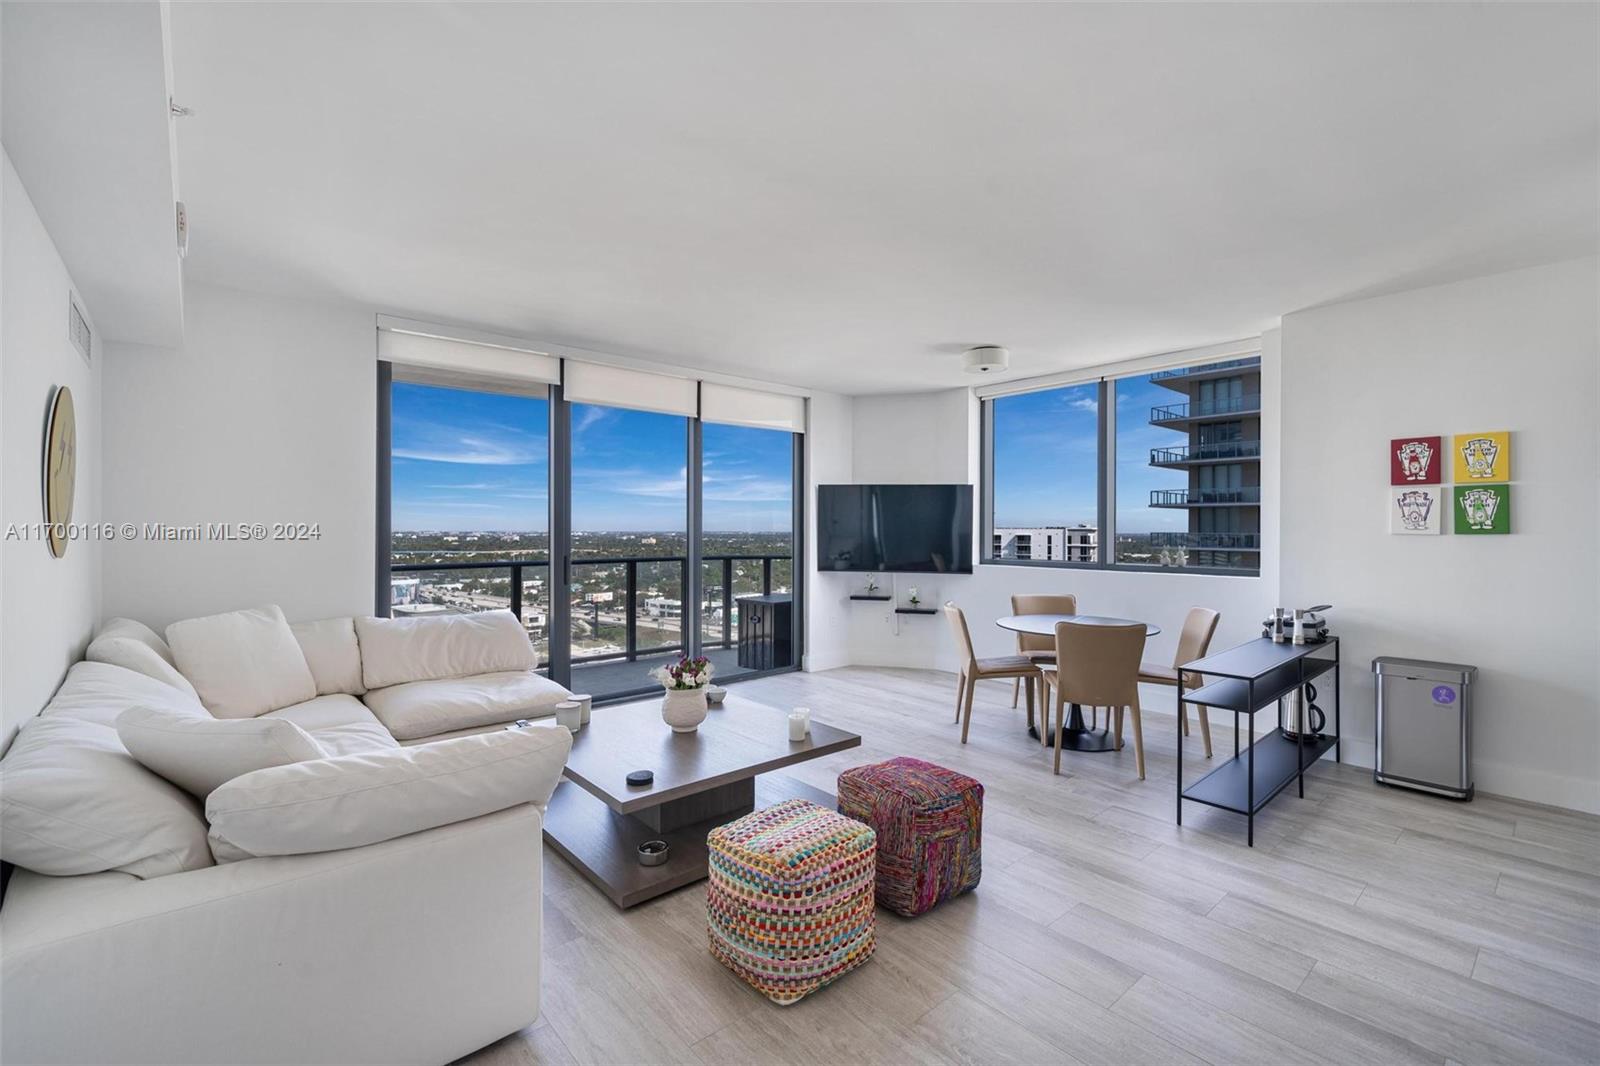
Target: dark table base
{"points": [[1076, 736]]}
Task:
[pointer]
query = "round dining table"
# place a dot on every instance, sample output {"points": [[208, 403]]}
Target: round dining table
{"points": [[1075, 735]]}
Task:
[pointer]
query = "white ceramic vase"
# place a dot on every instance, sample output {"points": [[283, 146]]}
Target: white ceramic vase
{"points": [[684, 708]]}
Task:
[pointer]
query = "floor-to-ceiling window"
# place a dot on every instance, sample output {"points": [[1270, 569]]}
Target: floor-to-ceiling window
{"points": [[627, 517], [747, 548], [629, 545], [469, 503]]}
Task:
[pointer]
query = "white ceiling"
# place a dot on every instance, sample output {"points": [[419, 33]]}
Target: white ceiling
{"points": [[847, 196], [85, 123]]}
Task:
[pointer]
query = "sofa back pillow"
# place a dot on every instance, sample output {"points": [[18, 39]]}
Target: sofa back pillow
{"points": [[432, 647], [98, 692], [355, 800], [138, 656], [243, 663], [73, 801], [200, 754], [332, 654], [128, 627]]}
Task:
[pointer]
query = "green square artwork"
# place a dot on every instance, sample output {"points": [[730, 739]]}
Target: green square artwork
{"points": [[1483, 508]]}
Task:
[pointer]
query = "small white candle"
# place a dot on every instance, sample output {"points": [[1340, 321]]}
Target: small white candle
{"points": [[799, 723]]}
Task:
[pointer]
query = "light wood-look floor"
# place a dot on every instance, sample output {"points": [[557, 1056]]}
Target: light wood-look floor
{"points": [[1367, 925]]}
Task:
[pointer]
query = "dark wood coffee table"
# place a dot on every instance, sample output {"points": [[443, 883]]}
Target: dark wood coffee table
{"points": [[704, 779]]}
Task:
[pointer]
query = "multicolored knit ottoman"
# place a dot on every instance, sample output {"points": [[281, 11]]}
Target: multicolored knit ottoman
{"points": [[789, 906], [929, 822]]}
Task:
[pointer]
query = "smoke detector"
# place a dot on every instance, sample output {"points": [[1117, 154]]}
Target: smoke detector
{"points": [[984, 360]]}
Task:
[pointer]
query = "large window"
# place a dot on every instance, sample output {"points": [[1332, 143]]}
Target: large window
{"points": [[621, 536], [469, 504], [1046, 475], [747, 548], [1181, 484], [629, 545]]}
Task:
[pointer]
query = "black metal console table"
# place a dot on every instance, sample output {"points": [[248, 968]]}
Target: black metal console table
{"points": [[1245, 680]]}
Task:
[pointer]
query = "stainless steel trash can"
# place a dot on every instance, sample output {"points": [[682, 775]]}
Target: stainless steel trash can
{"points": [[1424, 723]]}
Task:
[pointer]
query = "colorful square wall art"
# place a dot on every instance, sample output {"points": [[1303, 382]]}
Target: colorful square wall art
{"points": [[1482, 457], [1416, 460], [1482, 508], [1415, 508]]}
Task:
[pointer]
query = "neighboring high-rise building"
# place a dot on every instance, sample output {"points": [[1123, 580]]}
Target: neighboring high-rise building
{"points": [[1071, 544], [1221, 417]]}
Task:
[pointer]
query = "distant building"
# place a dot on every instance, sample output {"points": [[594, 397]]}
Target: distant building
{"points": [[1221, 419], [403, 590], [662, 607], [1068, 544]]}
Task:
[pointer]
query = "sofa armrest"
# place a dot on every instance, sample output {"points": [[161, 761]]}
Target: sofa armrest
{"points": [[418, 949], [354, 800]]}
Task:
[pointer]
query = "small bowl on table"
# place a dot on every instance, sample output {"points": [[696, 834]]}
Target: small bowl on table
{"points": [[715, 694]]}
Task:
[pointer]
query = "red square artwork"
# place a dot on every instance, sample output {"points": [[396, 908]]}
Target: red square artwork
{"points": [[1416, 460]]}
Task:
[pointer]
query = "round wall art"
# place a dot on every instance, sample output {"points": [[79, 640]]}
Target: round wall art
{"points": [[60, 469]]}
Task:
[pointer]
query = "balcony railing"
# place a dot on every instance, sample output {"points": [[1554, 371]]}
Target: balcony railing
{"points": [[1201, 453], [1242, 541], [719, 635], [1201, 497], [1226, 405], [1206, 368]]}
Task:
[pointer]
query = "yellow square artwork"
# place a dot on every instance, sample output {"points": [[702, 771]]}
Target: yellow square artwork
{"points": [[1482, 457]]}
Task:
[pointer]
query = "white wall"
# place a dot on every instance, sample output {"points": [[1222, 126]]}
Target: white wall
{"points": [[829, 447], [1513, 351], [48, 606], [265, 414], [934, 437]]}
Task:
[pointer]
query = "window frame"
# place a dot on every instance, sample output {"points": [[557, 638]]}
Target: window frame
{"points": [[1105, 547]]}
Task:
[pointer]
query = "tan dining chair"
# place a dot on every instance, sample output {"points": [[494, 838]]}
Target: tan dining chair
{"points": [[974, 669], [1098, 666], [1039, 647], [1198, 626]]}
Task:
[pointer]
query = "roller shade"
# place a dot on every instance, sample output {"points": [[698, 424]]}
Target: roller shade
{"points": [[640, 390], [752, 407], [468, 358]]}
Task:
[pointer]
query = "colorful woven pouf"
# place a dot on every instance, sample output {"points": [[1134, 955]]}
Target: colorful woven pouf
{"points": [[789, 906], [929, 822]]}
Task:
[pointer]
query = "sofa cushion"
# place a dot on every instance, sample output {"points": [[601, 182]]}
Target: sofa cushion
{"points": [[200, 753], [332, 654], [397, 650], [73, 801], [341, 725], [243, 663], [131, 653], [127, 627], [423, 708], [356, 800], [99, 692]]}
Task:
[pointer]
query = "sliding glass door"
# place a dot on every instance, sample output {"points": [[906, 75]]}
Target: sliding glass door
{"points": [[628, 544], [622, 538], [747, 548]]}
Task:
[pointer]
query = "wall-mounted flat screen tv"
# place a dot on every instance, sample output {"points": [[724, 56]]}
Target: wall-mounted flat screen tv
{"points": [[911, 529]]}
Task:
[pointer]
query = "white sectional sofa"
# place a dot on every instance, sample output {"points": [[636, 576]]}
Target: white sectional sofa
{"points": [[371, 893]]}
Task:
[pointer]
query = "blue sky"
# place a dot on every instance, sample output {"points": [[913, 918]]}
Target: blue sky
{"points": [[1046, 458], [480, 461]]}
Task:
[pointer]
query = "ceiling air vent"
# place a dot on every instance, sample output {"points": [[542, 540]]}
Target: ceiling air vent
{"points": [[78, 329]]}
